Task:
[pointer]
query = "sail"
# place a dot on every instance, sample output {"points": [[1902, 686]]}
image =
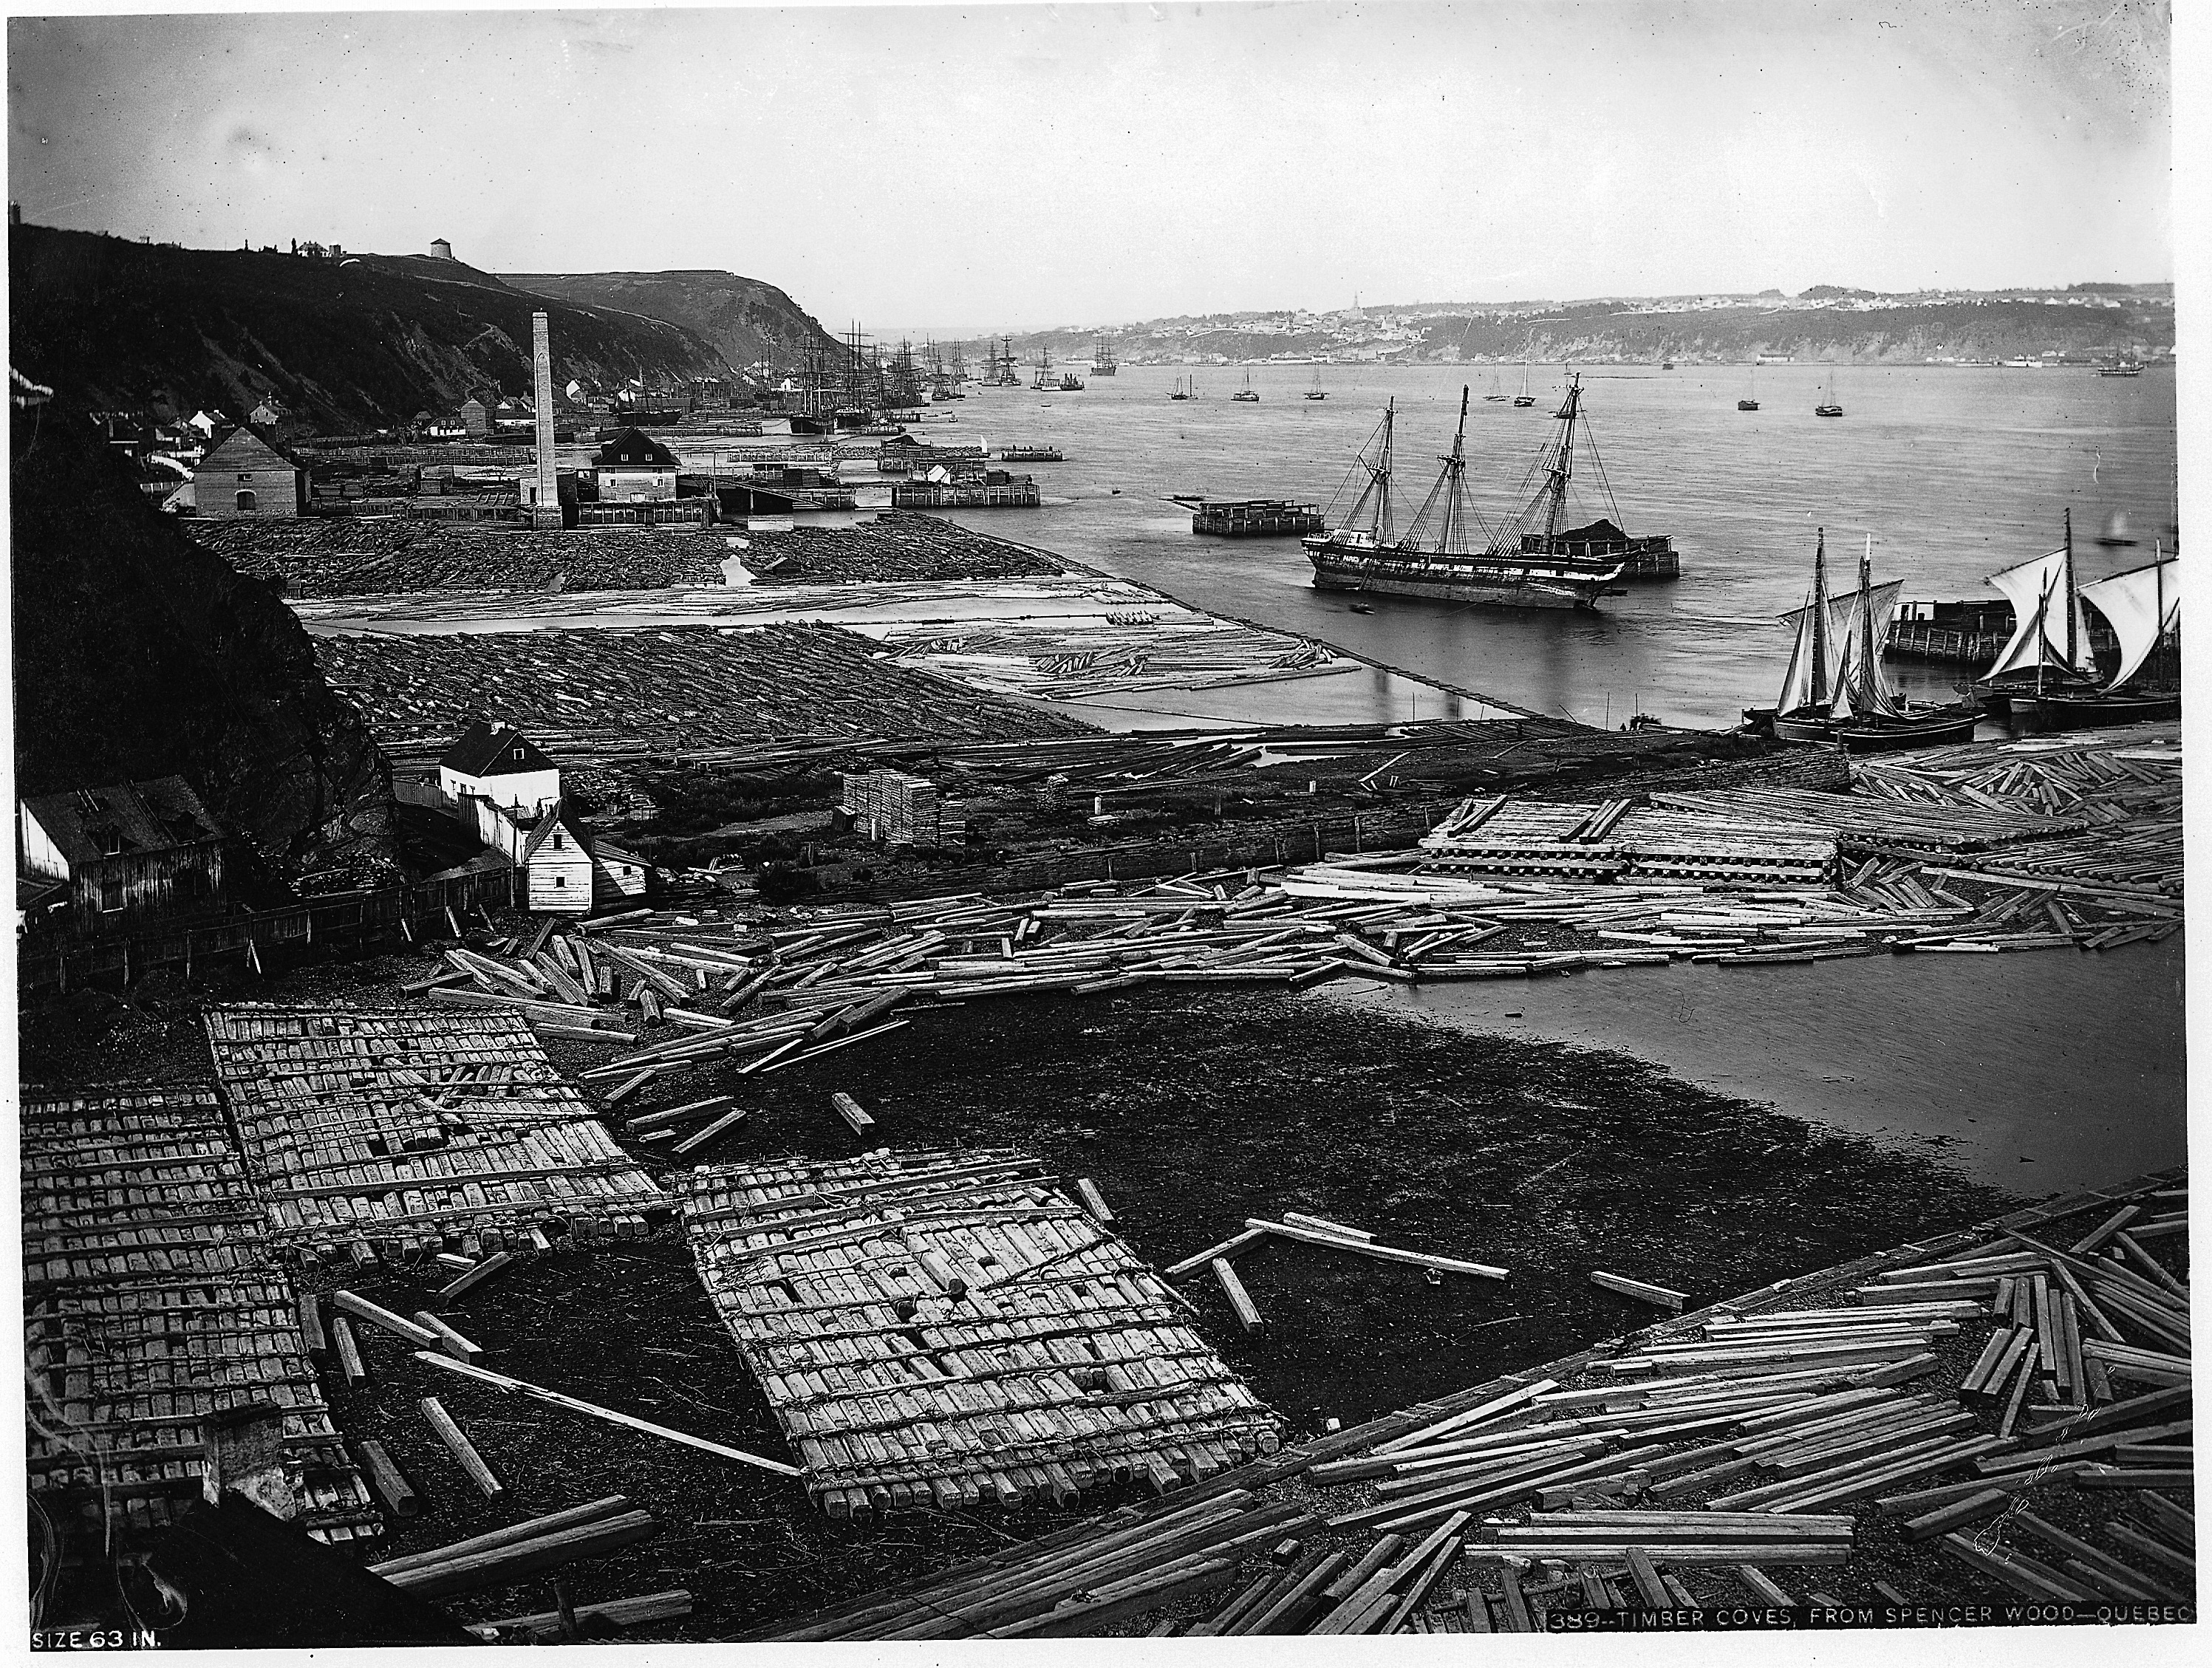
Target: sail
{"points": [[2026, 587], [1860, 689], [1840, 608], [1799, 683], [2142, 605]]}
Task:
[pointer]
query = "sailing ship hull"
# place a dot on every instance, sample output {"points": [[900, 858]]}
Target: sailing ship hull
{"points": [[1483, 584], [1802, 728], [2053, 711], [1947, 727]]}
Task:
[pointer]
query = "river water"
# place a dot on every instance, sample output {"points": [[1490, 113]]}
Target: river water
{"points": [[1954, 471], [2034, 1071]]}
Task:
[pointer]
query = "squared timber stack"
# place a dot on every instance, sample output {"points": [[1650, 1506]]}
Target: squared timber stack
{"points": [[947, 1328], [397, 1132], [150, 1303]]}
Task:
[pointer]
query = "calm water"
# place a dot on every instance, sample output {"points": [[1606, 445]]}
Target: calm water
{"points": [[2034, 1071], [1955, 472]]}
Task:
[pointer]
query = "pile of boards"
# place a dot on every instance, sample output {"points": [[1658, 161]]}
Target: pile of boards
{"points": [[1817, 1442], [398, 1133], [1618, 841], [682, 685], [946, 1327], [152, 1304]]}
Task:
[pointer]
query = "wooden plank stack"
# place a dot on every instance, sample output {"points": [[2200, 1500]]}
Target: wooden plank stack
{"points": [[946, 1327], [1617, 841], [377, 1133], [151, 1303], [1678, 1467], [893, 807]]}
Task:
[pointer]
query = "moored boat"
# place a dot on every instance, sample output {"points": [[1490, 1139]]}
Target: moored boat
{"points": [[1833, 693], [1434, 559], [2143, 606], [2042, 657], [1247, 393]]}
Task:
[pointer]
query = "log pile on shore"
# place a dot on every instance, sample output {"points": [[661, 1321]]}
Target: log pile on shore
{"points": [[1997, 1412], [678, 687], [1052, 660], [315, 557], [948, 1328], [898, 545]]}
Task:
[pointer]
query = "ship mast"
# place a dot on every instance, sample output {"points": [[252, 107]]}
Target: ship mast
{"points": [[1379, 475], [1450, 492], [1819, 696], [2073, 613], [1562, 466]]}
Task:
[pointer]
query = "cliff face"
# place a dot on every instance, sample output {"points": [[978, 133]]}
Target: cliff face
{"points": [[138, 654], [344, 347], [746, 321]]}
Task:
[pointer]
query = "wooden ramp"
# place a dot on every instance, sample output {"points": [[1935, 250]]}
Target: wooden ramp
{"points": [[398, 1132], [946, 1327], [150, 1304]]}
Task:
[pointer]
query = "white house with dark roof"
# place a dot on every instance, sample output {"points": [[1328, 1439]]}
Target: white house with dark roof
{"points": [[497, 763]]}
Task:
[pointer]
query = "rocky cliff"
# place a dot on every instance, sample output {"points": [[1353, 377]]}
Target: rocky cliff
{"points": [[138, 654], [342, 345], [747, 322]]}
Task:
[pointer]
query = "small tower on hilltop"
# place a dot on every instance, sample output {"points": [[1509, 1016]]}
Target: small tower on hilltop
{"points": [[440, 250]]}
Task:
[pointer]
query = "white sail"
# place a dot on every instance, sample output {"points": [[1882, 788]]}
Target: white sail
{"points": [[2142, 605], [2026, 587], [1797, 683]]}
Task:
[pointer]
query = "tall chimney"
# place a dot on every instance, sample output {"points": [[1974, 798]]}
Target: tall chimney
{"points": [[546, 514]]}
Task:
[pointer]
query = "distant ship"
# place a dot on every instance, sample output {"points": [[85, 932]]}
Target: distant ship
{"points": [[1524, 397], [1043, 382], [1247, 393], [1434, 560], [1103, 362], [1828, 408], [2114, 536], [1070, 383], [1186, 388], [1750, 401], [1496, 396], [2126, 367], [1316, 392]]}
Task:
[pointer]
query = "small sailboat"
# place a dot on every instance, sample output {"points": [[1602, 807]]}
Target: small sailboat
{"points": [[2048, 653], [1828, 408], [1524, 397], [1316, 392], [1247, 393], [2114, 536], [1750, 401], [2142, 605], [1834, 693], [1497, 395], [1183, 388]]}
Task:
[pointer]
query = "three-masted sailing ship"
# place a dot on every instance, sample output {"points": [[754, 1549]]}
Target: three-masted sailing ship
{"points": [[1834, 693], [1103, 362], [1435, 558]]}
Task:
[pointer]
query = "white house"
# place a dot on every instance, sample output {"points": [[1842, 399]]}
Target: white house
{"points": [[498, 763]]}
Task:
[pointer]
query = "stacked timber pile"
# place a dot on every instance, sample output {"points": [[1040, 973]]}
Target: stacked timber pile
{"points": [[1615, 840], [316, 556], [1999, 1412], [151, 1306], [374, 1134], [1061, 660], [946, 1328], [898, 545], [684, 686], [893, 807], [1865, 826]]}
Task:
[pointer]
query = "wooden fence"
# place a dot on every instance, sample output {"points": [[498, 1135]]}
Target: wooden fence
{"points": [[352, 919]]}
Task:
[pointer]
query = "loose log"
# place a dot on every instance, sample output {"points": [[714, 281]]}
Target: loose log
{"points": [[393, 1491], [1643, 1291], [451, 1341], [1369, 1248], [618, 1612], [463, 1451], [1248, 1313], [528, 1529], [476, 1276], [502, 1566], [377, 1315]]}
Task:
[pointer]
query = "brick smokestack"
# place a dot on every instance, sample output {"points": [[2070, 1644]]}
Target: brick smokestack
{"points": [[547, 511]]}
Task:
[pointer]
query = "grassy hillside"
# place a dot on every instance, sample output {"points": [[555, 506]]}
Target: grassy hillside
{"points": [[745, 320], [112, 324]]}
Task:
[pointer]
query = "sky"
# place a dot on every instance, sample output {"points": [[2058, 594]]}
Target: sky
{"points": [[1025, 166]]}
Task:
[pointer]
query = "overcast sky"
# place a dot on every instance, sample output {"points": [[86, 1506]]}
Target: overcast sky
{"points": [[1016, 166]]}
